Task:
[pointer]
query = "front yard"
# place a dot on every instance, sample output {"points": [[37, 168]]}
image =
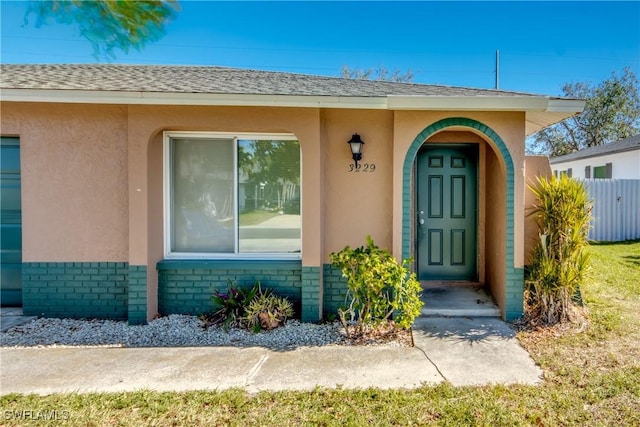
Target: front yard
{"points": [[592, 377]]}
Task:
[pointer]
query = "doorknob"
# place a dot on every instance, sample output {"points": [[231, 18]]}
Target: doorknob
{"points": [[420, 220]]}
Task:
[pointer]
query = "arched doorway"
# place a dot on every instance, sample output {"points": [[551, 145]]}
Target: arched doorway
{"points": [[493, 236]]}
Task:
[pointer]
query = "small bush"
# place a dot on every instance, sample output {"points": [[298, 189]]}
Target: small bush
{"points": [[267, 311], [249, 308], [378, 287], [560, 260], [231, 305]]}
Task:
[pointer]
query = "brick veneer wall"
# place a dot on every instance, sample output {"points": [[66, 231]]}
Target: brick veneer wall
{"points": [[186, 287], [335, 290], [75, 289]]}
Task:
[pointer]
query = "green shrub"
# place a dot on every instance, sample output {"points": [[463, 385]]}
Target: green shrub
{"points": [[378, 287], [267, 311], [230, 306], [560, 260], [249, 308]]}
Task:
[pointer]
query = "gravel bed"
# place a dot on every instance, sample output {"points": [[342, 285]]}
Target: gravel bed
{"points": [[170, 331]]}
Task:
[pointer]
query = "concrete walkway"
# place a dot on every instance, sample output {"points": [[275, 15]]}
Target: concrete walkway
{"points": [[462, 350]]}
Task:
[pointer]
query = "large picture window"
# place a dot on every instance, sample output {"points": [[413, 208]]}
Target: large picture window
{"points": [[232, 195]]}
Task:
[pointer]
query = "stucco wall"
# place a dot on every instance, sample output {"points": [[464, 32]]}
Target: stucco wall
{"points": [[535, 166], [357, 204], [86, 162], [495, 228], [74, 180], [93, 179]]}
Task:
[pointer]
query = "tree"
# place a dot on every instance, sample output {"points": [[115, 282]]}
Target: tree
{"points": [[108, 25], [612, 112], [379, 73]]}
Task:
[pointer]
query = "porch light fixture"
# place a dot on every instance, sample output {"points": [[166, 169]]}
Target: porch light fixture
{"points": [[356, 147]]}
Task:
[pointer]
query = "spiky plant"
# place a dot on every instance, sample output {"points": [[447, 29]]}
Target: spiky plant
{"points": [[560, 260], [231, 305], [267, 311]]}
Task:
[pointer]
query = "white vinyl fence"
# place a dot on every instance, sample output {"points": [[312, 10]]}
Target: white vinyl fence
{"points": [[616, 209]]}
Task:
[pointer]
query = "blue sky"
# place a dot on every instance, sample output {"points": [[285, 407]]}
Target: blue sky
{"points": [[542, 44]]}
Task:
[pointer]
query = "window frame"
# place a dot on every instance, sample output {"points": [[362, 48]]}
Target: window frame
{"points": [[167, 162], [608, 171]]}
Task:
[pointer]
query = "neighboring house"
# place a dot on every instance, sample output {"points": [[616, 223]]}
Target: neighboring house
{"points": [[613, 174], [141, 189], [617, 160]]}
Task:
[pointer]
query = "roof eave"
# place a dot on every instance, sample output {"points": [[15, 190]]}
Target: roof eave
{"points": [[556, 111], [564, 159], [467, 102], [541, 111], [171, 98]]}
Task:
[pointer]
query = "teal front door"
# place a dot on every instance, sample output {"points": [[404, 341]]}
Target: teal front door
{"points": [[446, 185], [10, 223]]}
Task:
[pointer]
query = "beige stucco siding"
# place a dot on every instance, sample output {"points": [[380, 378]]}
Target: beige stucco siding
{"points": [[357, 204], [92, 178], [74, 180], [535, 166], [495, 228], [92, 174]]}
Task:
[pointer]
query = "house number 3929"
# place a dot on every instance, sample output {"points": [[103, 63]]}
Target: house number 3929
{"points": [[362, 167]]}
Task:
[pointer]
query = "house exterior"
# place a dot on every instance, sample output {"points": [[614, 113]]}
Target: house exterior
{"points": [[616, 160], [142, 189], [612, 172]]}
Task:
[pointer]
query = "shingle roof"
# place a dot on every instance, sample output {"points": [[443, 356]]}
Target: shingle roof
{"points": [[621, 145], [212, 80]]}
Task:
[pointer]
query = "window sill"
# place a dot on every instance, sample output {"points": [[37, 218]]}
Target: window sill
{"points": [[227, 264]]}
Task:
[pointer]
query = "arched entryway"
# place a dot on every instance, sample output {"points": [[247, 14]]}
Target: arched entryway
{"points": [[489, 235]]}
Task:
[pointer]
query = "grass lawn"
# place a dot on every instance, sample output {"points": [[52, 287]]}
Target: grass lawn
{"points": [[256, 217], [592, 377]]}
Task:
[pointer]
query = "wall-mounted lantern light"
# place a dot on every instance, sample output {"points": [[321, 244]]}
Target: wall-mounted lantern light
{"points": [[356, 147]]}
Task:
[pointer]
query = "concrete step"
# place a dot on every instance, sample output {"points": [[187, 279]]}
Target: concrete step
{"points": [[457, 299]]}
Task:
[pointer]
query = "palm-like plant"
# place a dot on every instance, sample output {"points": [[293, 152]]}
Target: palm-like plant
{"points": [[560, 260]]}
